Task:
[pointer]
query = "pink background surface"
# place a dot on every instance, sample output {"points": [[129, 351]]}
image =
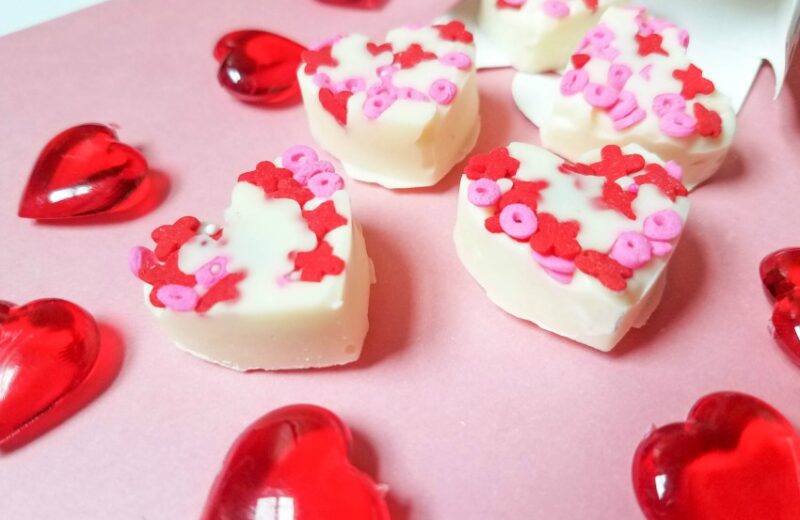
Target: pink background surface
{"points": [[464, 411]]}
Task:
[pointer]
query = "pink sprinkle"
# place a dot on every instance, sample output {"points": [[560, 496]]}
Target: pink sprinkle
{"points": [[678, 124], [178, 297], [284, 280], [631, 249], [683, 38], [386, 71], [600, 36], [376, 105], [625, 106], [560, 277], [603, 53], [554, 263], [483, 193], [660, 248], [443, 91], [140, 257], [645, 72], [458, 60], [618, 75], [574, 81], [518, 221], [322, 80], [663, 104], [663, 225], [555, 8], [351, 85], [325, 184], [633, 187], [659, 24], [635, 117], [308, 170], [212, 272], [411, 94], [674, 170], [384, 88], [600, 96], [296, 156]]}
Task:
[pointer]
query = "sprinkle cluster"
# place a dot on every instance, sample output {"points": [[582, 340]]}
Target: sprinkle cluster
{"points": [[302, 178], [552, 8], [554, 244], [381, 90]]}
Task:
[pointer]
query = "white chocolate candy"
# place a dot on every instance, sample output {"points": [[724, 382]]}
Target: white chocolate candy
{"points": [[582, 255], [631, 82], [283, 284], [539, 35], [400, 113]]}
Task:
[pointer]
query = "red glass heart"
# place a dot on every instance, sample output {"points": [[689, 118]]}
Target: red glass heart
{"points": [[780, 272], [786, 324], [47, 349], [82, 171], [362, 4], [293, 464], [259, 67], [735, 457]]}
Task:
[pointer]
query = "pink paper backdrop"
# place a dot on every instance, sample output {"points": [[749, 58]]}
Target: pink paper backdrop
{"points": [[466, 412]]}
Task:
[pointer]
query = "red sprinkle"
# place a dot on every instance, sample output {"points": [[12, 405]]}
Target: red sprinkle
{"points": [[170, 237], [669, 185], [591, 5], [314, 265], [266, 176], [579, 60], [455, 31], [494, 165], [709, 123], [502, 4], [651, 44], [693, 82], [318, 58], [523, 192], [412, 56], [614, 164], [324, 219], [376, 49], [335, 104], [611, 273], [556, 238], [223, 290], [291, 189], [168, 273], [616, 198]]}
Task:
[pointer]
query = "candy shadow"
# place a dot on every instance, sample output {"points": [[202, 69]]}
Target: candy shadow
{"points": [[364, 457], [151, 198], [733, 169], [105, 371], [686, 275]]}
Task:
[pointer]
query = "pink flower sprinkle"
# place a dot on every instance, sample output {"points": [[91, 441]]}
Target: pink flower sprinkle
{"points": [[678, 124], [325, 184], [600, 36], [140, 257], [377, 104], [600, 96], [635, 117], [573, 82], [212, 271], [483, 193], [663, 225], [458, 60], [443, 91], [618, 75], [663, 104], [625, 106], [518, 221], [178, 298], [308, 170], [555, 8], [296, 156], [631, 249]]}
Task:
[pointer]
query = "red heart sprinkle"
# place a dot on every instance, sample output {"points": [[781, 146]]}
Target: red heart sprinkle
{"points": [[335, 104], [579, 60], [376, 49], [47, 349], [293, 463], [780, 272], [82, 171], [735, 458], [259, 67], [709, 123]]}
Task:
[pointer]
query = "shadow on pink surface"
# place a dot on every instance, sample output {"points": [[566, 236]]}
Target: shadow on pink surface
{"points": [[364, 457], [107, 367]]}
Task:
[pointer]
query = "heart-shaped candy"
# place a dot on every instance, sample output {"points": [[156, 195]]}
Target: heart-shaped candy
{"points": [[539, 35], [579, 249], [780, 272], [631, 82], [47, 349], [82, 171], [259, 67], [283, 284], [293, 464], [399, 113], [735, 457]]}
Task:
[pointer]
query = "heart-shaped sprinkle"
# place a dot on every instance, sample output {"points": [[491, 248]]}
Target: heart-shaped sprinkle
{"points": [[83, 171], [335, 104]]}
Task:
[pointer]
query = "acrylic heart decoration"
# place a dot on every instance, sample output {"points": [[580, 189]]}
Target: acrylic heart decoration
{"points": [[293, 464], [83, 171], [259, 67], [735, 457], [780, 272], [47, 349]]}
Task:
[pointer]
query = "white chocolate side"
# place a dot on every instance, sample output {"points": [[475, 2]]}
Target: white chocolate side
{"points": [[575, 127], [583, 310], [533, 40], [413, 143], [276, 325]]}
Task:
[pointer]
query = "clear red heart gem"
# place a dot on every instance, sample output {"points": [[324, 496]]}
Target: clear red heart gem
{"points": [[735, 457], [785, 324], [47, 349], [82, 171], [259, 67], [362, 4], [293, 463], [780, 272]]}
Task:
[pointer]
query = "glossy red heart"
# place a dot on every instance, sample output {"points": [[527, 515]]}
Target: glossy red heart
{"points": [[361, 4], [335, 104], [82, 171], [259, 67], [780, 272], [735, 458], [293, 464], [47, 349]]}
